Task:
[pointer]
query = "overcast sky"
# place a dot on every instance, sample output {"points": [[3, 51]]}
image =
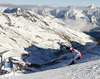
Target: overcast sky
{"points": [[50, 2]]}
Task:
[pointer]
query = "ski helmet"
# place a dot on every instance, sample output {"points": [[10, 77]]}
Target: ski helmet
{"points": [[71, 49]]}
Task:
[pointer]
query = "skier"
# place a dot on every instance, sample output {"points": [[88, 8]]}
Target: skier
{"points": [[76, 57]]}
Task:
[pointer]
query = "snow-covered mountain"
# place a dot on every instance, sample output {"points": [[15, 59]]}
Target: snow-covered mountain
{"points": [[74, 17], [32, 38], [78, 18], [89, 16], [25, 28]]}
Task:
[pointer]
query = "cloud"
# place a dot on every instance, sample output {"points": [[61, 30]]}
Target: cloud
{"points": [[79, 24]]}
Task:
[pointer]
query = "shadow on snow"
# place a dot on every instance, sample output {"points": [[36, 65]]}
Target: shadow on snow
{"points": [[41, 58]]}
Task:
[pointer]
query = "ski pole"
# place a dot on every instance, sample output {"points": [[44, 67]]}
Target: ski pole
{"points": [[4, 69], [66, 51]]}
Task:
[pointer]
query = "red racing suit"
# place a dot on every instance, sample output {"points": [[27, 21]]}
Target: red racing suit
{"points": [[77, 55]]}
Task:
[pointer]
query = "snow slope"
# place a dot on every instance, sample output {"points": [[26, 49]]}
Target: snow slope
{"points": [[88, 70]]}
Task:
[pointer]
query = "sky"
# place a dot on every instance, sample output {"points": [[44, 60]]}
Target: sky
{"points": [[50, 2]]}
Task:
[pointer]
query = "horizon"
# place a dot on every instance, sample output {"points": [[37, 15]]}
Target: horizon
{"points": [[52, 2]]}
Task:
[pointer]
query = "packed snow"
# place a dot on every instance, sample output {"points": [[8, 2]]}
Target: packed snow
{"points": [[86, 70]]}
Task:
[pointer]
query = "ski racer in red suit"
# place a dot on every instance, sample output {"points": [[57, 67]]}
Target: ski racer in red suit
{"points": [[77, 56]]}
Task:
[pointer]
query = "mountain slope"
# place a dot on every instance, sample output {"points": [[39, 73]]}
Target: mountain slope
{"points": [[26, 35]]}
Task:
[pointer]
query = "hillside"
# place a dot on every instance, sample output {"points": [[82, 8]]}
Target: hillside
{"points": [[31, 38]]}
